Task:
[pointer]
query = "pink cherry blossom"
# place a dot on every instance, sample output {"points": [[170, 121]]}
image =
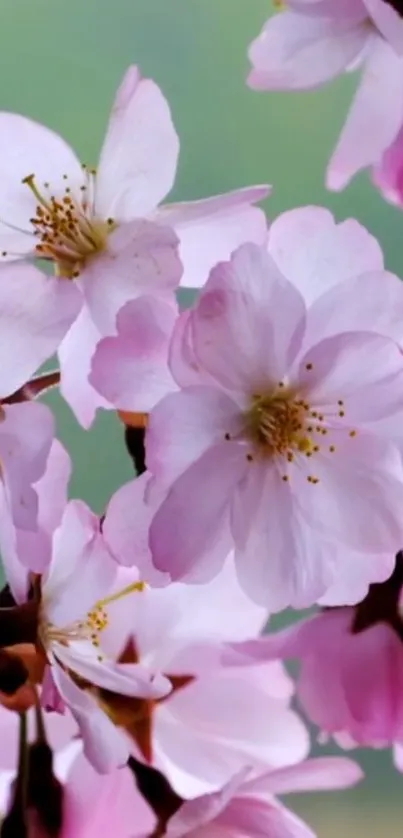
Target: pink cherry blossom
{"points": [[246, 808], [283, 445], [217, 717], [351, 671], [309, 44], [105, 229], [74, 612]]}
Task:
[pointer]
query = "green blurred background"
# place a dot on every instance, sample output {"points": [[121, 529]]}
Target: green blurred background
{"points": [[60, 63]]}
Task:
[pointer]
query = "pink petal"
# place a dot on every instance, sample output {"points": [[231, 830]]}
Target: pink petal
{"points": [[125, 529], [75, 354], [29, 148], [354, 572], [26, 436], [33, 546], [81, 571], [375, 117], [17, 575], [142, 258], [131, 370], [279, 561], [183, 363], [138, 161], [194, 814], [340, 371], [371, 676], [358, 496], [313, 774], [371, 302], [387, 173], [222, 722], [184, 425], [316, 254], [209, 230], [296, 52], [126, 679], [94, 804], [188, 536], [36, 312], [105, 745], [259, 818], [239, 334]]}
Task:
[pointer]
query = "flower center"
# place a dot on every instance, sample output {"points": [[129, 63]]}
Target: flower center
{"points": [[276, 423], [89, 629], [280, 424], [67, 231]]}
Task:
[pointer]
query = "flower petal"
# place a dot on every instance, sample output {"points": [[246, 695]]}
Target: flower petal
{"points": [[75, 354], [311, 775], [138, 161], [142, 258], [370, 302], [315, 253], [248, 322], [105, 745], [375, 117], [81, 571], [126, 679], [131, 370], [184, 425], [188, 536], [126, 527], [280, 562], [295, 52], [36, 312], [26, 436], [337, 369], [209, 230]]}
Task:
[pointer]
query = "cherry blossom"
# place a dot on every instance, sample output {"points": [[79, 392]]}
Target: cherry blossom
{"points": [[103, 228], [309, 44], [350, 666], [279, 444], [73, 614], [216, 717]]}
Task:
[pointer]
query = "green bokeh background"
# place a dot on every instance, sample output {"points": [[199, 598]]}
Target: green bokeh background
{"points": [[60, 63]]}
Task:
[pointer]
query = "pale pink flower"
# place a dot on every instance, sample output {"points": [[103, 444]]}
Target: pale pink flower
{"points": [[217, 718], [310, 43], [278, 442], [351, 672], [73, 614], [350, 666], [246, 808], [104, 228]]}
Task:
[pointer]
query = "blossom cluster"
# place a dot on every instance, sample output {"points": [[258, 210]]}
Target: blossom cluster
{"points": [[140, 691]]}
